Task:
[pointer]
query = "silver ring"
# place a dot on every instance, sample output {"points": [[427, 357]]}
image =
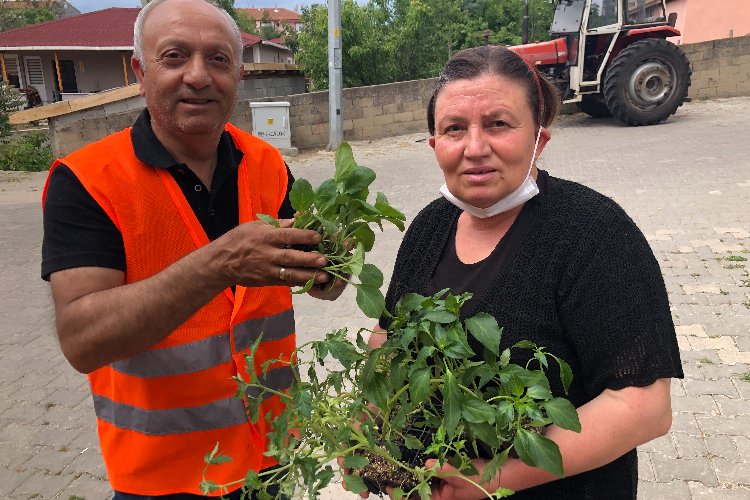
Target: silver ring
{"points": [[282, 272]]}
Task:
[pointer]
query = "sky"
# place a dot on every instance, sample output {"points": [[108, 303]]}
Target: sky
{"points": [[90, 5]]}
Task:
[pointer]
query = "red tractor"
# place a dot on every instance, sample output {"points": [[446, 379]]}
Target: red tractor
{"points": [[611, 58]]}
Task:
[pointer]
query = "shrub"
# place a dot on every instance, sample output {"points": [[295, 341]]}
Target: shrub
{"points": [[29, 152]]}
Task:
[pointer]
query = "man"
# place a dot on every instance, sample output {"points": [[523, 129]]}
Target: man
{"points": [[162, 277]]}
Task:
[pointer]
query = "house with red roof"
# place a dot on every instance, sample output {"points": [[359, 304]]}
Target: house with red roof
{"points": [[273, 16], [80, 55]]}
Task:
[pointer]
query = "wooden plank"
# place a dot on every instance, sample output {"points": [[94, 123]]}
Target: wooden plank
{"points": [[65, 107], [39, 113], [261, 67]]}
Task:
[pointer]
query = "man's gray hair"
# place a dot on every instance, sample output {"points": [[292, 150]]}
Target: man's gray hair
{"points": [[141, 20]]}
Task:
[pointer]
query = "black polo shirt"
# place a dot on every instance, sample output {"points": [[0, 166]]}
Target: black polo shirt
{"points": [[79, 233]]}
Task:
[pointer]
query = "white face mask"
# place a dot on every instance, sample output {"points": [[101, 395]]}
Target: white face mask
{"points": [[523, 193]]}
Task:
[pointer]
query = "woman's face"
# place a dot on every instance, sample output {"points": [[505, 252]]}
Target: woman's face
{"points": [[484, 138]]}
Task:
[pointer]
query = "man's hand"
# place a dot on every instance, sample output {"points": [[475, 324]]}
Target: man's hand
{"points": [[258, 254], [326, 291]]}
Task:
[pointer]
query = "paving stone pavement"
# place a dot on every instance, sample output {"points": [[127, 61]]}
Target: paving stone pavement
{"points": [[685, 182]]}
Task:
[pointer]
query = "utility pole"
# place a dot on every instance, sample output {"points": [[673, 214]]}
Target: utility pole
{"points": [[525, 38], [335, 76]]}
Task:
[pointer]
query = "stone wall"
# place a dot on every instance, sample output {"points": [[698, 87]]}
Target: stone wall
{"points": [[721, 68], [369, 112]]}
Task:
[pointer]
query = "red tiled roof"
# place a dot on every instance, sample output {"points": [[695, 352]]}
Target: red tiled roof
{"points": [[108, 28], [248, 39], [274, 14], [111, 27]]}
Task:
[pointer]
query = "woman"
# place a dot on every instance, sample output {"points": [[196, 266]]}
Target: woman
{"points": [[554, 262]]}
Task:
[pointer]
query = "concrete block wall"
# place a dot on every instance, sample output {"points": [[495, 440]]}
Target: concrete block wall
{"points": [[721, 68], [369, 112]]}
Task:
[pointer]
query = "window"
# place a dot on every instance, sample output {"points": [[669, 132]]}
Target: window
{"points": [[602, 13]]}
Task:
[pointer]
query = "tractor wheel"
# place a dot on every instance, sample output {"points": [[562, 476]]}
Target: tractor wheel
{"points": [[647, 82], [594, 106]]}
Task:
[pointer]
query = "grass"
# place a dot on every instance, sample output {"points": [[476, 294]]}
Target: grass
{"points": [[706, 361], [735, 266], [736, 258], [745, 377]]}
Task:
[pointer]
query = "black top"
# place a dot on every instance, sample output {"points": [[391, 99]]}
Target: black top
{"points": [[475, 278], [79, 233], [582, 282]]}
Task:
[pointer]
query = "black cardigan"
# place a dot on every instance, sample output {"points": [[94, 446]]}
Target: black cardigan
{"points": [[584, 283]]}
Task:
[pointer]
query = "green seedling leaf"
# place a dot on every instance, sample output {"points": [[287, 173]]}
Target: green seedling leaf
{"points": [[371, 301], [409, 302], [451, 403], [325, 195], [207, 487], [538, 451], [359, 180], [563, 414], [301, 195], [419, 385], [252, 481], [438, 316], [541, 357], [525, 344], [376, 391], [566, 374], [269, 220], [425, 492], [413, 443], [354, 483], [355, 461], [345, 163], [477, 411], [208, 458], [366, 236], [506, 413], [357, 260], [503, 492], [371, 276], [485, 329], [308, 286], [505, 358], [493, 466], [398, 493], [539, 392]]}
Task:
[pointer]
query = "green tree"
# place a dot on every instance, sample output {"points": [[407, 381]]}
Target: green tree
{"points": [[424, 35], [395, 40], [366, 56], [504, 18], [36, 12]]}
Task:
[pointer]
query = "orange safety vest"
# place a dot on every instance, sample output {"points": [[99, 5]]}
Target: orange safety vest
{"points": [[161, 411]]}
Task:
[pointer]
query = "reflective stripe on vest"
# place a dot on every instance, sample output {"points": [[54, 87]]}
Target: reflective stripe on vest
{"points": [[276, 378], [224, 413], [205, 353]]}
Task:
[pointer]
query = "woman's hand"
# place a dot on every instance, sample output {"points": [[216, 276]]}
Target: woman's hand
{"points": [[344, 472], [455, 486]]}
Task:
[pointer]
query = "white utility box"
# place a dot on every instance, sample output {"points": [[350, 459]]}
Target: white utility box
{"points": [[271, 123]]}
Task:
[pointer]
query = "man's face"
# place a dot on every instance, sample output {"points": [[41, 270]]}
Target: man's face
{"points": [[190, 71]]}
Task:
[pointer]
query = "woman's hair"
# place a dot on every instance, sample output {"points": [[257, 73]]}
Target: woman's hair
{"points": [[145, 11], [499, 61]]}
